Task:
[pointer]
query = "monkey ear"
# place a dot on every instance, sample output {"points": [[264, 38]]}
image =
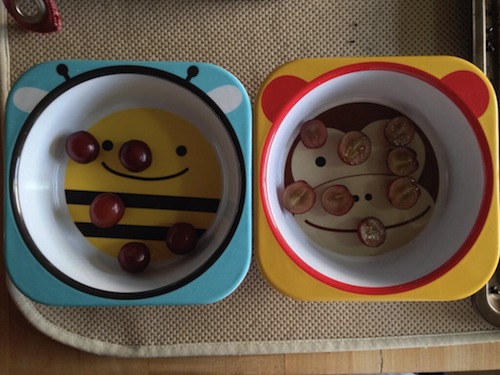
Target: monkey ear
{"points": [[470, 88], [277, 93]]}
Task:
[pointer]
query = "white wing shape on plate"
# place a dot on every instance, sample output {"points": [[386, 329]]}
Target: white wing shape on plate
{"points": [[26, 98]]}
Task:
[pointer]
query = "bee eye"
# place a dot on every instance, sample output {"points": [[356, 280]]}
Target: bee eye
{"points": [[107, 145], [181, 150]]}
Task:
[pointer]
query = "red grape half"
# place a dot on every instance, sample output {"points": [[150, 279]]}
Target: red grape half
{"points": [[399, 131], [402, 161], [337, 200], [403, 192], [298, 197], [354, 148], [371, 232], [313, 133]]}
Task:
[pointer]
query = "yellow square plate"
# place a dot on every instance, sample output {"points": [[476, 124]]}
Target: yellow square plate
{"points": [[468, 270]]}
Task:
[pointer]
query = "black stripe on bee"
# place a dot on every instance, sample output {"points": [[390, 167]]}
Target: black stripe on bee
{"points": [[136, 232], [164, 202]]}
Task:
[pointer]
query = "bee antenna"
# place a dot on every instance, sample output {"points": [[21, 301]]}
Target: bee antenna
{"points": [[192, 72], [62, 70]]}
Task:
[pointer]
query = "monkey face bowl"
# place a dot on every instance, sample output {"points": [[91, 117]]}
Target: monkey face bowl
{"points": [[423, 242], [197, 176]]}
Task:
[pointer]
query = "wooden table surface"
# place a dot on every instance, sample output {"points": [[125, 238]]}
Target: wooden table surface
{"points": [[24, 350]]}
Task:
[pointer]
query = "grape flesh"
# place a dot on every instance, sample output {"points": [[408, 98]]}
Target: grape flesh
{"points": [[402, 161], [337, 200], [400, 131], [403, 192], [354, 148], [298, 197], [371, 232], [82, 147]]}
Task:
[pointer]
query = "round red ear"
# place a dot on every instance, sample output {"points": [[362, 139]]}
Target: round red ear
{"points": [[277, 93], [470, 88]]}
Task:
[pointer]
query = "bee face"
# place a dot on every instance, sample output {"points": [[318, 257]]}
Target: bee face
{"points": [[182, 183], [183, 161]]}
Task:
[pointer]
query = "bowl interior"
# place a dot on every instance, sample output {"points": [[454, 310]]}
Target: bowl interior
{"points": [[453, 224], [116, 107]]}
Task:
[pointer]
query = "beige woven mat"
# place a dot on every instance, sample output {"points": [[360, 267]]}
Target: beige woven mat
{"points": [[250, 38]]}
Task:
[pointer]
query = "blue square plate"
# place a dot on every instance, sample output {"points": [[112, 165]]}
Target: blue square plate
{"points": [[196, 120]]}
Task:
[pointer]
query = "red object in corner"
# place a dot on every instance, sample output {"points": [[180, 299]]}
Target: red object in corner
{"points": [[46, 20]]}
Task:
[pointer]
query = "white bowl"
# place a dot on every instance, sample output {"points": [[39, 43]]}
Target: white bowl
{"points": [[453, 221]]}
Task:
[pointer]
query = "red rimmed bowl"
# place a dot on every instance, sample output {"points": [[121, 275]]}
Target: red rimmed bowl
{"points": [[455, 176]]}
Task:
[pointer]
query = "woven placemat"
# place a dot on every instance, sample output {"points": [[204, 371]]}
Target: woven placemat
{"points": [[250, 38]]}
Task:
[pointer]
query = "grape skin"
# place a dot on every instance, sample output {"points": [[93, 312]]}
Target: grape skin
{"points": [[134, 257], [181, 238], [82, 147], [298, 197], [106, 210]]}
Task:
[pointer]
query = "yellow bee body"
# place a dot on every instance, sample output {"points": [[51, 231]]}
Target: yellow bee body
{"points": [[183, 183]]}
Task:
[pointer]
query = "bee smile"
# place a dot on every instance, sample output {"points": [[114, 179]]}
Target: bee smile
{"points": [[159, 178]]}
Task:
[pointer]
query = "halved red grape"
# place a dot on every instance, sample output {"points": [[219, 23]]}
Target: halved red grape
{"points": [[402, 161], [181, 238], [82, 147], [403, 192], [400, 131], [106, 210], [354, 148], [313, 133], [298, 197], [372, 232], [134, 257], [337, 200], [136, 155]]}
